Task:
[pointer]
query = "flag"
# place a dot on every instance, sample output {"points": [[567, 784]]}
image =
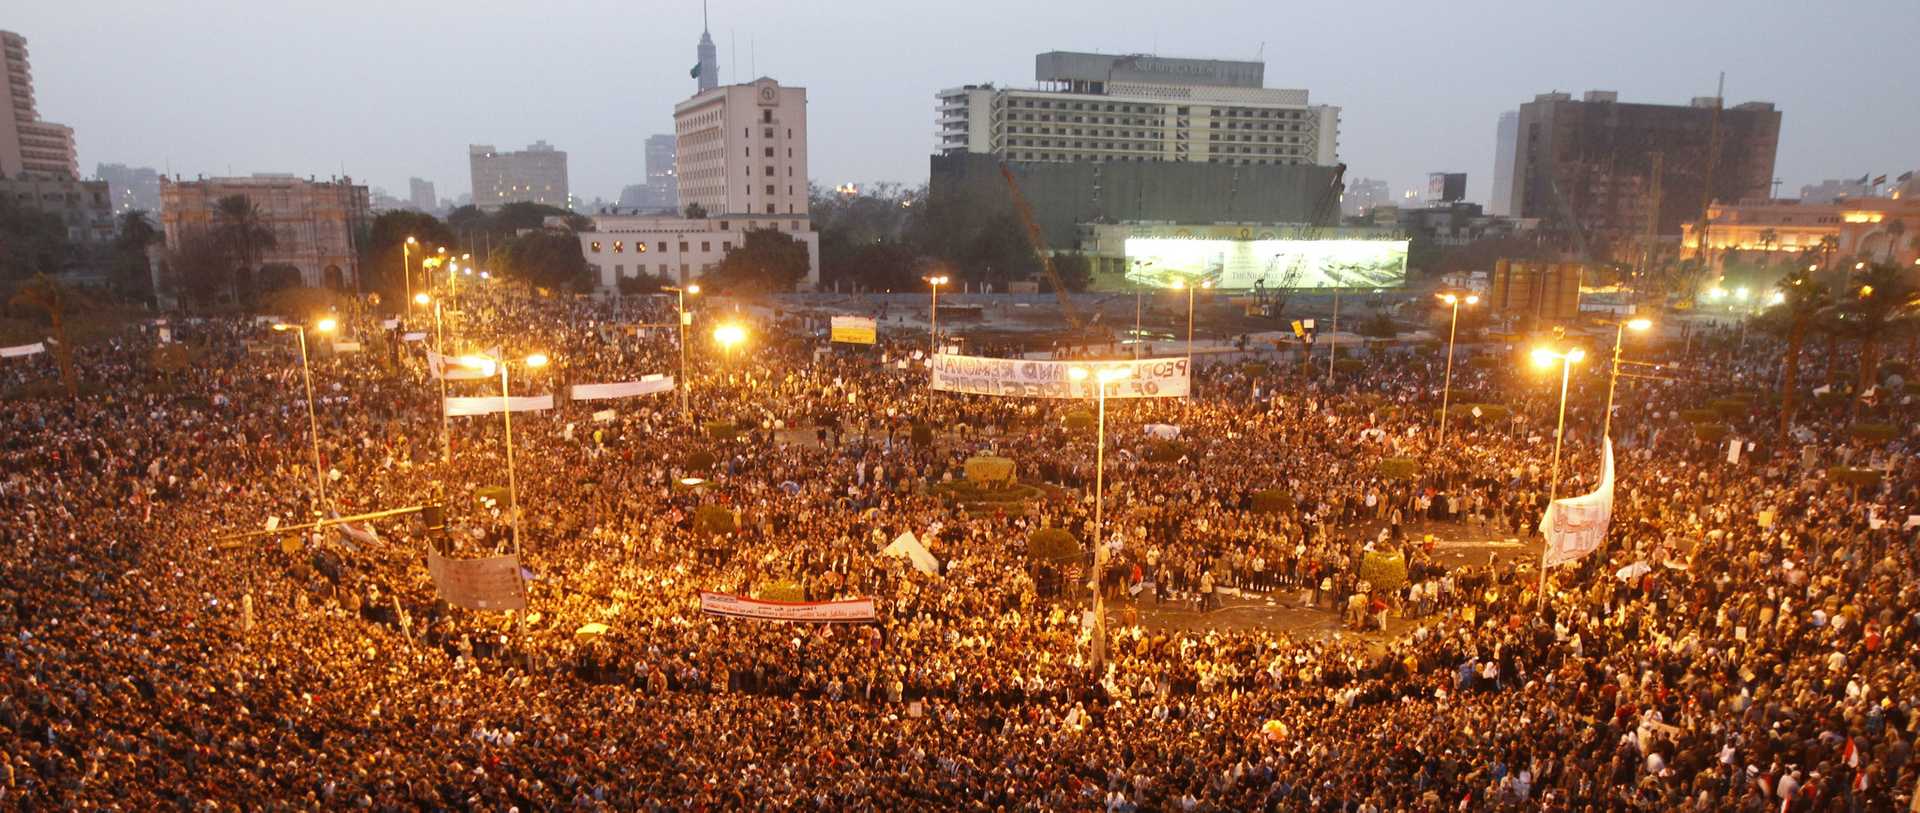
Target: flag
{"points": [[1863, 178], [1904, 176], [1851, 754], [695, 73], [351, 532], [1880, 180]]}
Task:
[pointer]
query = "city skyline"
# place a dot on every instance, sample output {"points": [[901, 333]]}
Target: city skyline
{"points": [[600, 87]]}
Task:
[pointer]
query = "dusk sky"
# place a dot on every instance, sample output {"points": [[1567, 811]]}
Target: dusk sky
{"points": [[398, 89]]}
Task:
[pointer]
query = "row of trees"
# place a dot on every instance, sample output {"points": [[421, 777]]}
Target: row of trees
{"points": [[1871, 309], [889, 237]]}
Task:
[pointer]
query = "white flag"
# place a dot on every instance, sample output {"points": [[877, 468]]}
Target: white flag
{"points": [[1576, 526], [22, 350], [622, 389], [489, 404]]}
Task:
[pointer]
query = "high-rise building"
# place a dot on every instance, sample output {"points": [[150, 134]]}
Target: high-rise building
{"points": [[420, 194], [1104, 107], [314, 223], [28, 144], [131, 187], [706, 68], [1591, 161], [742, 149], [661, 190], [537, 174], [1363, 194], [1504, 137]]}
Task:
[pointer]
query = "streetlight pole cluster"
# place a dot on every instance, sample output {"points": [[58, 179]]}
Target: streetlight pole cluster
{"points": [[1101, 377]]}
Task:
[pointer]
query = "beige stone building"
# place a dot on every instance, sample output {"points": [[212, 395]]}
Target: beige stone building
{"points": [[1878, 229], [27, 144], [316, 224]]}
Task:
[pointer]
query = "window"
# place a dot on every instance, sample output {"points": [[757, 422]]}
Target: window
{"points": [[748, 151], [789, 189], [769, 208], [706, 245], [789, 132], [769, 171], [619, 247], [723, 226], [769, 189], [769, 152], [789, 172], [596, 246], [789, 152], [796, 225], [767, 116], [746, 133], [768, 132], [683, 250], [663, 248], [619, 271], [726, 246]]}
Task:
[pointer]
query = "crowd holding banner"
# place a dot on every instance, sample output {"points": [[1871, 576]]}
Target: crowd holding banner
{"points": [[974, 375], [1697, 659]]}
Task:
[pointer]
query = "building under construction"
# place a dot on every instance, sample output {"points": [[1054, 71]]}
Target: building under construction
{"points": [[1591, 164], [1535, 293]]}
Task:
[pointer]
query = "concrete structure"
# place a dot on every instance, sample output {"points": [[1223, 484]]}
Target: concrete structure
{"points": [[681, 250], [1446, 187], [1505, 136], [1364, 194], [1591, 162], [420, 194], [314, 223], [537, 174], [28, 144], [131, 188], [1064, 195], [706, 66], [742, 149], [86, 207], [1110, 108], [1457, 224], [1833, 189], [1879, 229], [661, 191]]}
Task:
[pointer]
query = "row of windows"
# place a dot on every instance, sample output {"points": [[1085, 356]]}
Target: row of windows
{"points": [[770, 189], [768, 171], [641, 268], [747, 132], [1043, 157], [748, 152], [1216, 137], [640, 247], [1077, 131], [1110, 107]]}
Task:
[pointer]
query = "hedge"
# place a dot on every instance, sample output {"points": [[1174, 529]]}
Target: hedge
{"points": [[713, 520], [1858, 478], [1052, 545], [985, 469], [1272, 501], [1386, 570], [1874, 431], [922, 435], [1398, 468]]}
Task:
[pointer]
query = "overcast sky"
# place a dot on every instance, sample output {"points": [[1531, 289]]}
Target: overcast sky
{"points": [[400, 88]]}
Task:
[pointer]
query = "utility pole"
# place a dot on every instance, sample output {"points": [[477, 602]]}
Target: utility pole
{"points": [[1713, 158], [1653, 226]]}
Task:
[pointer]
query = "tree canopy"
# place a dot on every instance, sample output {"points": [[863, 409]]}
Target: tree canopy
{"points": [[767, 261], [547, 258], [31, 241]]}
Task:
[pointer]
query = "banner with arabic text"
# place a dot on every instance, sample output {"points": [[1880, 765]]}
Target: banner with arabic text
{"points": [[489, 404], [622, 389], [492, 583], [855, 329], [847, 611], [1144, 378]]}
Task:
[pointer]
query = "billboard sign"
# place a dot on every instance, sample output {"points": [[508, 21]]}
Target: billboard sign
{"points": [[1168, 262], [855, 329]]}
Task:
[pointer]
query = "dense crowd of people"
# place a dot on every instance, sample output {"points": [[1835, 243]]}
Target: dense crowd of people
{"points": [[1744, 641]]}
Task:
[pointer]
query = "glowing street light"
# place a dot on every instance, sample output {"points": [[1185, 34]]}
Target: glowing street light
{"points": [[933, 314], [1545, 357], [1446, 389], [727, 336], [406, 263], [1102, 377], [680, 300], [306, 374], [422, 299], [1613, 374], [1190, 292]]}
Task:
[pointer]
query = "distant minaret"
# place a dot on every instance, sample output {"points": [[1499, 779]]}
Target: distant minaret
{"points": [[707, 70]]}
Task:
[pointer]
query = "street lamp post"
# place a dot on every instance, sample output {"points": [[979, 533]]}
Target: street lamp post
{"points": [[1101, 378], [440, 343], [1544, 357], [1446, 389], [680, 308], [1333, 345], [406, 264], [535, 361], [1190, 293], [1613, 371], [727, 336], [933, 314], [313, 422]]}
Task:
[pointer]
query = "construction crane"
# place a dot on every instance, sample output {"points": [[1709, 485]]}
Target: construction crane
{"points": [[1329, 201], [1039, 242]]}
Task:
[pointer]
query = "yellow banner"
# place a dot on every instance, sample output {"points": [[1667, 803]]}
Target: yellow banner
{"points": [[855, 329]]}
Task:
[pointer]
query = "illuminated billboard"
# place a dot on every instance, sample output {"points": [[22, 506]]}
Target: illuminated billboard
{"points": [[1236, 264]]}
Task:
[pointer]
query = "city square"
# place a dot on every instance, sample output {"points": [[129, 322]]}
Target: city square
{"points": [[1140, 470]]}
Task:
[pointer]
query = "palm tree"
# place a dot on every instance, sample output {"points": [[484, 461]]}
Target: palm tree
{"points": [[1882, 305], [47, 294], [1895, 230], [1768, 239], [1801, 303], [242, 232]]}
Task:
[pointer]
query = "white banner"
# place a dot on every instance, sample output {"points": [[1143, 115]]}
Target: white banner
{"points": [[623, 389], [908, 547], [346, 347], [1145, 378], [855, 611], [492, 583], [452, 370], [489, 404], [1576, 526], [389, 324], [605, 416], [22, 350], [415, 336]]}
